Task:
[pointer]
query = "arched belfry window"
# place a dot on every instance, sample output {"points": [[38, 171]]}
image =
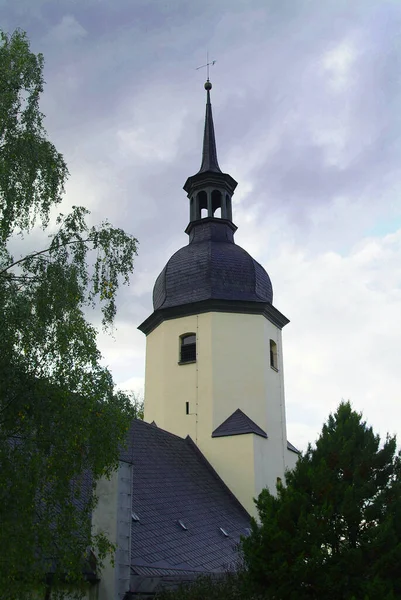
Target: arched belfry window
{"points": [[216, 203], [273, 355], [187, 348], [202, 210]]}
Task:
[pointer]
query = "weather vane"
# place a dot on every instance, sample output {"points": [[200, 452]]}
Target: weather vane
{"points": [[207, 65]]}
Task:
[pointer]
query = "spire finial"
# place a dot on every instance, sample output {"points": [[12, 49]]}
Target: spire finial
{"points": [[207, 65], [209, 154]]}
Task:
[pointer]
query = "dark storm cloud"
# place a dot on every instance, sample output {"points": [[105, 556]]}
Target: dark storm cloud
{"points": [[306, 102], [271, 91], [298, 176]]}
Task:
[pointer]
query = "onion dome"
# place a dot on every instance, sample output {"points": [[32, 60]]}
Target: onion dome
{"points": [[210, 267]]}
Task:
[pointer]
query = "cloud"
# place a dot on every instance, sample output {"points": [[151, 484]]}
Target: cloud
{"points": [[68, 30], [147, 135], [343, 339], [306, 106], [133, 384], [338, 62]]}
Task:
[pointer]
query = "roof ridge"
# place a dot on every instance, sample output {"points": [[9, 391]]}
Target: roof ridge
{"points": [[213, 471], [159, 429]]}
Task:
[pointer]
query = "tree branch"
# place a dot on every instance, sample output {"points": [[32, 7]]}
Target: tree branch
{"points": [[35, 254]]}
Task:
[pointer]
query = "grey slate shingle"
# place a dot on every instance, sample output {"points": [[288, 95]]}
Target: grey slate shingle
{"points": [[172, 480], [238, 424], [211, 266], [292, 448]]}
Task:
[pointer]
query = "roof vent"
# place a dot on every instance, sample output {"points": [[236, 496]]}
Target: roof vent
{"points": [[224, 532], [135, 517], [248, 531], [182, 525]]}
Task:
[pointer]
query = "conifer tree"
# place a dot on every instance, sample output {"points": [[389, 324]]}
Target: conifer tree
{"points": [[333, 530]]}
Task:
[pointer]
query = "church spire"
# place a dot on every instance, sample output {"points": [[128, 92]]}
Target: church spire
{"points": [[209, 190], [209, 154]]}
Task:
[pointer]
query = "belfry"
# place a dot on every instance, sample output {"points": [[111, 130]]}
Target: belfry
{"points": [[214, 366]]}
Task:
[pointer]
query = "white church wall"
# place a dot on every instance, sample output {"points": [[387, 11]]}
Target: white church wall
{"points": [[243, 378], [104, 520], [291, 460], [112, 517], [169, 385], [232, 371], [233, 459], [122, 572], [239, 362], [268, 464]]}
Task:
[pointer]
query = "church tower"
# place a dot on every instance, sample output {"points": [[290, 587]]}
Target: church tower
{"points": [[214, 366]]}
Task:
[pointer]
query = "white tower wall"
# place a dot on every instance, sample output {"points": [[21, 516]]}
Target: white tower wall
{"points": [[232, 371]]}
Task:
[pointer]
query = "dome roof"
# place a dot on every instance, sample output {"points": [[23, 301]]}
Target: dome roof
{"points": [[211, 266]]}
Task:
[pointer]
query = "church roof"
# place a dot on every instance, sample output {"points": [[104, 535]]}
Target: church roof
{"points": [[209, 152], [292, 448], [209, 171], [184, 509], [211, 267], [238, 424]]}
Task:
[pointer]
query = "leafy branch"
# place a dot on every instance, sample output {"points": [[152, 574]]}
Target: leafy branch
{"points": [[60, 413]]}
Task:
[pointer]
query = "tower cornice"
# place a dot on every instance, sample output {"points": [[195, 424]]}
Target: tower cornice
{"points": [[202, 222], [209, 178], [214, 305]]}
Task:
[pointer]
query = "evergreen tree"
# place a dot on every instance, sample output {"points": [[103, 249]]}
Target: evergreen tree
{"points": [[61, 420], [334, 530]]}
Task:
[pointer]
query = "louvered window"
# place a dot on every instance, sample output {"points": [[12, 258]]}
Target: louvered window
{"points": [[188, 348]]}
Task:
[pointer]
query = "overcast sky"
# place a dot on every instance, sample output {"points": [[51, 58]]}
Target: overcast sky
{"points": [[307, 109]]}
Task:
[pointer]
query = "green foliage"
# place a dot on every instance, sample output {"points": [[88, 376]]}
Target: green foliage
{"points": [[137, 404], [32, 172], [334, 530], [60, 416], [230, 587]]}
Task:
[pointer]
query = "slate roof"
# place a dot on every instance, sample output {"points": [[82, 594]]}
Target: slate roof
{"points": [[209, 152], [173, 481], [292, 448], [238, 424], [211, 266]]}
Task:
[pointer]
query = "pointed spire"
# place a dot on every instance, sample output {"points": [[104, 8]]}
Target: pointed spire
{"points": [[209, 188], [209, 154]]}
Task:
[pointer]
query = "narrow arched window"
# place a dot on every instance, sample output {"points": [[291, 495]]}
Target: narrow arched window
{"points": [[273, 355], [202, 205], [187, 348], [216, 203]]}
